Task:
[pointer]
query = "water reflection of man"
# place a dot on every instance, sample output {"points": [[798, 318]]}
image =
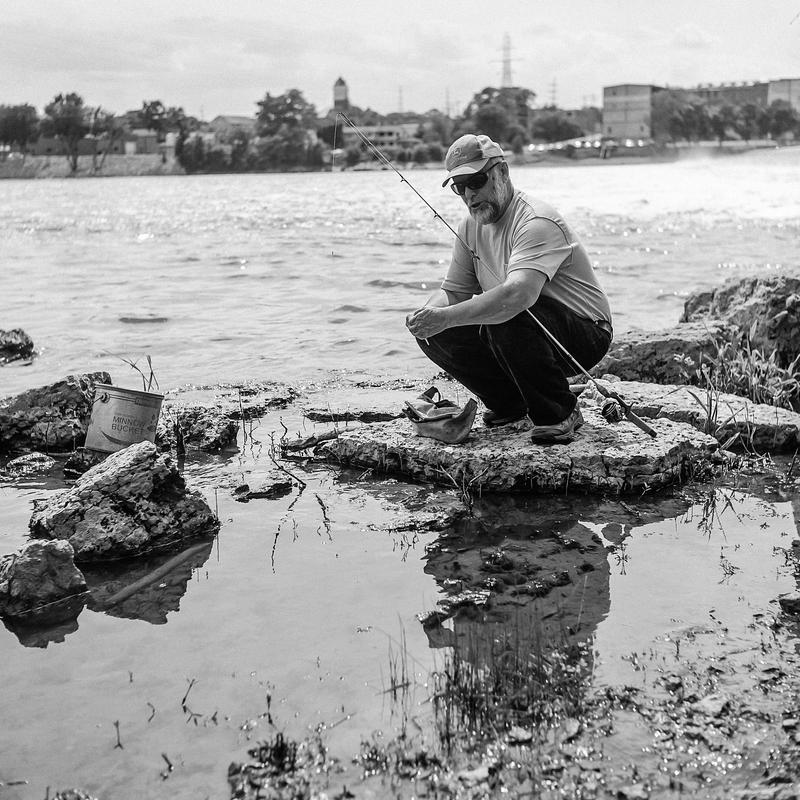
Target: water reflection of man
{"points": [[536, 585], [476, 326], [524, 586]]}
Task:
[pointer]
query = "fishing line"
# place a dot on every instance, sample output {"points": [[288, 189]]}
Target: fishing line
{"points": [[607, 393]]}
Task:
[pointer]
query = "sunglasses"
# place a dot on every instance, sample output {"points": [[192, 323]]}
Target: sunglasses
{"points": [[475, 183]]}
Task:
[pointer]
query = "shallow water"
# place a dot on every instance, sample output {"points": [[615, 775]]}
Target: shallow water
{"points": [[301, 604]]}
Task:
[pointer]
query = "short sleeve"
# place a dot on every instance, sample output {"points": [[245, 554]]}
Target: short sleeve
{"points": [[539, 243]]}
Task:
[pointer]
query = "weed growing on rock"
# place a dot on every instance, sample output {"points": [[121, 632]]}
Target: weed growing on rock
{"points": [[747, 371], [149, 381]]}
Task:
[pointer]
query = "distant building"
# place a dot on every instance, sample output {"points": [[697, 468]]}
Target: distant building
{"points": [[626, 110], [340, 99], [226, 125], [144, 140], [382, 135], [734, 94], [787, 89]]}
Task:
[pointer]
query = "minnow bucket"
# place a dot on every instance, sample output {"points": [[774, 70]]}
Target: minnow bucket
{"points": [[122, 417]]}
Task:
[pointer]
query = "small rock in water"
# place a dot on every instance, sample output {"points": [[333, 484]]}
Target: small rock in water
{"points": [[275, 486], [517, 735], [73, 794], [790, 603], [712, 704], [30, 464], [15, 345], [40, 584]]}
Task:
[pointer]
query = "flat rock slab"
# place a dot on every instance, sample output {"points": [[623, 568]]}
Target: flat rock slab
{"points": [[243, 400], [379, 403], [761, 427], [603, 457]]}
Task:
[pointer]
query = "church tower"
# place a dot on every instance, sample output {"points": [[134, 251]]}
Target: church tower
{"points": [[340, 101]]}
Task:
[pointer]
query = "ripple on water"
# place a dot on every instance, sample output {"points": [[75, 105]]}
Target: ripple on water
{"points": [[143, 320]]}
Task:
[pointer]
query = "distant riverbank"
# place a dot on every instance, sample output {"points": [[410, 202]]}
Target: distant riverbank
{"points": [[114, 166], [142, 165]]}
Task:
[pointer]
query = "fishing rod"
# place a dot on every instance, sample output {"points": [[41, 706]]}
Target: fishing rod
{"points": [[609, 394]]}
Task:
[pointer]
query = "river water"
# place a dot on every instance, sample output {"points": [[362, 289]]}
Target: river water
{"points": [[301, 606], [292, 277]]}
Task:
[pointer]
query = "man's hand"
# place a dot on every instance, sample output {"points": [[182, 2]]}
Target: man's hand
{"points": [[427, 321]]}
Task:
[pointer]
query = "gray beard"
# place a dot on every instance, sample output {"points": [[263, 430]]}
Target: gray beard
{"points": [[487, 214]]}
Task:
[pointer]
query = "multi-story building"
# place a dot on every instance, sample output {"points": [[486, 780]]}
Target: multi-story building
{"points": [[736, 94], [627, 107], [382, 135], [787, 89], [626, 110]]}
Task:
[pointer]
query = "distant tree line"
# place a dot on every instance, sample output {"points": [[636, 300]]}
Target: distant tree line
{"points": [[678, 115], [289, 134], [70, 120]]}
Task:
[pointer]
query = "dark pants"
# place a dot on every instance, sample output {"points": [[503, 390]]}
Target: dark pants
{"points": [[514, 367]]}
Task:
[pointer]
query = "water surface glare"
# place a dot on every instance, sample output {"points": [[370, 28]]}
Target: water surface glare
{"points": [[259, 276]]}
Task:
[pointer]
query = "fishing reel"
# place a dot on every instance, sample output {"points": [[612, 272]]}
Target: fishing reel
{"points": [[612, 411]]}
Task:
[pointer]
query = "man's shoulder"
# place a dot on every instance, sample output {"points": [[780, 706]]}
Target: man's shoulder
{"points": [[533, 207], [537, 218]]}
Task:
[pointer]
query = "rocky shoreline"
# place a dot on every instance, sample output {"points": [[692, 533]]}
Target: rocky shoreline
{"points": [[112, 512], [93, 544]]}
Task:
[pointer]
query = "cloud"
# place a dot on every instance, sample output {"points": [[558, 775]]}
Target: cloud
{"points": [[691, 37]]}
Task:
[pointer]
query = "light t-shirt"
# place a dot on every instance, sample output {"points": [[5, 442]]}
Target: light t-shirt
{"points": [[530, 235]]}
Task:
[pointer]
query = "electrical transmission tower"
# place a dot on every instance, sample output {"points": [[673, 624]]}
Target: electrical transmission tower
{"points": [[553, 93], [505, 79]]}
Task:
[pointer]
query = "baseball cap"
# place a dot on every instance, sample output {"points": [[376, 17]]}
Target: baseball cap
{"points": [[469, 154]]}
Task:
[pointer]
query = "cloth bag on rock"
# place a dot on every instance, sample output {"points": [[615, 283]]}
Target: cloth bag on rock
{"points": [[440, 418]]}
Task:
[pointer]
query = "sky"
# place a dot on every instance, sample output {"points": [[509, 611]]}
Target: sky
{"points": [[213, 57]]}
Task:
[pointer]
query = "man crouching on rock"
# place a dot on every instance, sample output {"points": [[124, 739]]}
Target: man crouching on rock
{"points": [[513, 255]]}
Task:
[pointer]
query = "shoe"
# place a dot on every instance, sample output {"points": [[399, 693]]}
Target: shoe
{"points": [[560, 432], [491, 419]]}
